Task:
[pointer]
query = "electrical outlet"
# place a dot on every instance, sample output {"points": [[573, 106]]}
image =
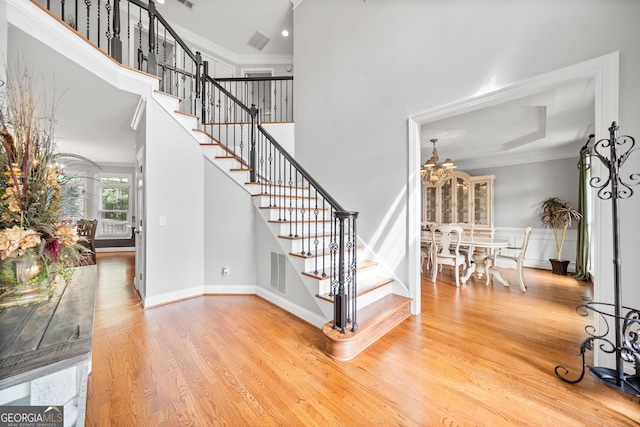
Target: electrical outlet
{"points": [[225, 270]]}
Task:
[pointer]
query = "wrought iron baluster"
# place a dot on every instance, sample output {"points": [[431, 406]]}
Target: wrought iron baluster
{"points": [[295, 200], [300, 225], [88, 7], [290, 200], [109, 34], [98, 31], [316, 212], [281, 205], [309, 235]]}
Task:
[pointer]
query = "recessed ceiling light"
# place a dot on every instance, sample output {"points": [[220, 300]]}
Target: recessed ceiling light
{"points": [[285, 33], [160, 1]]}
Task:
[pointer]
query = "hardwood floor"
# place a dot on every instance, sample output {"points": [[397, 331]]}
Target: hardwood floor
{"points": [[476, 356]]}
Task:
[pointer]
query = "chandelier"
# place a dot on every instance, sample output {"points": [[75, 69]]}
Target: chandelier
{"points": [[433, 173]]}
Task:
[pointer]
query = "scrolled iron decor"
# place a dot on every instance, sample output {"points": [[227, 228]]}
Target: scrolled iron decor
{"points": [[626, 320]]}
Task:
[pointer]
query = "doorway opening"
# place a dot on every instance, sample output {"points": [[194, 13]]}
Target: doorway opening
{"points": [[604, 73]]}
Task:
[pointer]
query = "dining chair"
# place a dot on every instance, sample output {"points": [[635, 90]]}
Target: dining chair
{"points": [[517, 259], [446, 249], [425, 248], [466, 251]]}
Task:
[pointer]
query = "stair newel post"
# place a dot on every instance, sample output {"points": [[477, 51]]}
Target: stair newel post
{"points": [[253, 111], [340, 299], [116, 43], [353, 269], [152, 62]]}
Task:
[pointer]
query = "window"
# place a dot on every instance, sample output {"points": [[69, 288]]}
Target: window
{"points": [[73, 198], [114, 212]]}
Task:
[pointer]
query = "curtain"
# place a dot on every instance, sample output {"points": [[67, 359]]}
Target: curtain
{"points": [[582, 250]]}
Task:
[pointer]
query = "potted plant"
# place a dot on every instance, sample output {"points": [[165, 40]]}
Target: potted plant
{"points": [[558, 214]]}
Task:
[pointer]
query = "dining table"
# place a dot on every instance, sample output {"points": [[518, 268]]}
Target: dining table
{"points": [[481, 246]]}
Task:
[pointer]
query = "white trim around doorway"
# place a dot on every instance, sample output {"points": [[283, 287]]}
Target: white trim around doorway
{"points": [[604, 71]]}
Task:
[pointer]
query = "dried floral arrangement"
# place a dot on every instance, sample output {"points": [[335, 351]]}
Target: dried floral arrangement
{"points": [[36, 245]]}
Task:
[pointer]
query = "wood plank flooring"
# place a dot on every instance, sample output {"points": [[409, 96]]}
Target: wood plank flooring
{"points": [[476, 356]]}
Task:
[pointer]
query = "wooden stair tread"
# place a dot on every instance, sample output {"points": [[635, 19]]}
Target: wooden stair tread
{"points": [[364, 286], [313, 255], [187, 114], [360, 266], [376, 319], [159, 92], [266, 184], [300, 221], [291, 207], [286, 196], [306, 236]]}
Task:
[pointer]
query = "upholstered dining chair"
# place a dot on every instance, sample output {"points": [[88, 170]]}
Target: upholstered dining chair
{"points": [[446, 249], [515, 256]]}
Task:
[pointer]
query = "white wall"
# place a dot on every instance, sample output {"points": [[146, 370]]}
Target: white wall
{"points": [[383, 61], [229, 216], [519, 189], [3, 37], [174, 176]]}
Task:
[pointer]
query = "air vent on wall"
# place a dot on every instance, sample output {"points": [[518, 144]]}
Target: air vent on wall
{"points": [[258, 40], [186, 3], [279, 272]]}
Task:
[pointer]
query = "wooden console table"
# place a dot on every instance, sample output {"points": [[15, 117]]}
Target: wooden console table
{"points": [[45, 349]]}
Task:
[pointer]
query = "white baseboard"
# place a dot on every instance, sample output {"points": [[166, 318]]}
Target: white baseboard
{"points": [[296, 310], [229, 289], [117, 249], [170, 297], [212, 290]]}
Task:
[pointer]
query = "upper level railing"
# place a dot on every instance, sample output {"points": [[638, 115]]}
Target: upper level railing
{"points": [[135, 34]]}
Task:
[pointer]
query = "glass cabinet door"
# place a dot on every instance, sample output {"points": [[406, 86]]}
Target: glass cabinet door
{"points": [[447, 202], [481, 203], [462, 201], [428, 204]]}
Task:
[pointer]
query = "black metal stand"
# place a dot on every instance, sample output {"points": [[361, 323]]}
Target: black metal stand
{"points": [[626, 327]]}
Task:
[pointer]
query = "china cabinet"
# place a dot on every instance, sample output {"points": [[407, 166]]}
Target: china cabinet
{"points": [[462, 199]]}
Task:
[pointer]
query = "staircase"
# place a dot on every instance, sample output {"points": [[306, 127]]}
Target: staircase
{"points": [[287, 209], [348, 283]]}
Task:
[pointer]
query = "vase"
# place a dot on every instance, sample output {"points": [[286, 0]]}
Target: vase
{"points": [[559, 266], [17, 285]]}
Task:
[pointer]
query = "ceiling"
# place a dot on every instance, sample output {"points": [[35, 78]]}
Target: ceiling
{"points": [[230, 24], [549, 125]]}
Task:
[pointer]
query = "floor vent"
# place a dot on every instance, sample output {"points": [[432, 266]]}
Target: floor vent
{"points": [[279, 272]]}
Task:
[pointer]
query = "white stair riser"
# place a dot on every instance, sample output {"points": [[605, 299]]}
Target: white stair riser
{"points": [[301, 202], [285, 213], [188, 122], [300, 229], [169, 103]]}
